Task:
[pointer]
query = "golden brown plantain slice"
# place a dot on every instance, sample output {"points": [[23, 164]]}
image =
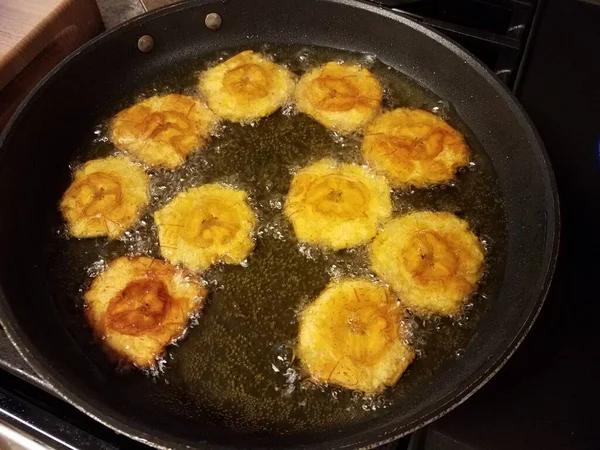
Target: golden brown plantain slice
{"points": [[246, 87], [352, 335], [162, 131], [337, 206], [105, 198], [139, 305], [342, 97], [431, 259], [205, 225], [414, 147]]}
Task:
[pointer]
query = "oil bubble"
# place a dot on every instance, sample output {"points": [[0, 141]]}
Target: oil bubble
{"points": [[284, 356], [442, 108], [367, 60]]}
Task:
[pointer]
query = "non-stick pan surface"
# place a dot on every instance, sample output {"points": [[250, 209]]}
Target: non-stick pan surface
{"points": [[47, 131]]}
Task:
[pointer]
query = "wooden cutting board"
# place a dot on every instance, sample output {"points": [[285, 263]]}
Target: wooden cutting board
{"points": [[35, 35]]}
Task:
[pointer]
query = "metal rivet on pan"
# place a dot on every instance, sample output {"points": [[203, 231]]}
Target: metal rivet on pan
{"points": [[213, 21], [145, 43]]}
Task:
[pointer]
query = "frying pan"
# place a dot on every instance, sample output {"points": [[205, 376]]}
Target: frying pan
{"points": [[47, 130]]}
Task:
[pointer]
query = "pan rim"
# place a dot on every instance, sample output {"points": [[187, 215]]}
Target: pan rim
{"points": [[382, 433]]}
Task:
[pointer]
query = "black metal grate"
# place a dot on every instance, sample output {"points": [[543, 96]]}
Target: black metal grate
{"points": [[496, 31]]}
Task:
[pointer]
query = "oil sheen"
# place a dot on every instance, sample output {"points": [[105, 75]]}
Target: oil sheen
{"points": [[235, 368]]}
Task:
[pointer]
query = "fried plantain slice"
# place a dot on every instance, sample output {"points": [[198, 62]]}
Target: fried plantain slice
{"points": [[246, 87], [162, 131], [412, 147], [353, 335], [337, 206], [343, 98], [431, 260], [140, 305], [205, 225], [105, 198]]}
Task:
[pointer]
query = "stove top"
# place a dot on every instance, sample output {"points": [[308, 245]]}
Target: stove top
{"points": [[495, 31], [541, 399]]}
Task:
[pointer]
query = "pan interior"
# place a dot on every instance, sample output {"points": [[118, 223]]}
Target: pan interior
{"points": [[234, 371]]}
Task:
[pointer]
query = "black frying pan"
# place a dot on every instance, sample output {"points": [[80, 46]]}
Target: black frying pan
{"points": [[47, 131]]}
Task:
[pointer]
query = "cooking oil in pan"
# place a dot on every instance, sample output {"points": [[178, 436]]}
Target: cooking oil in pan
{"points": [[236, 368]]}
